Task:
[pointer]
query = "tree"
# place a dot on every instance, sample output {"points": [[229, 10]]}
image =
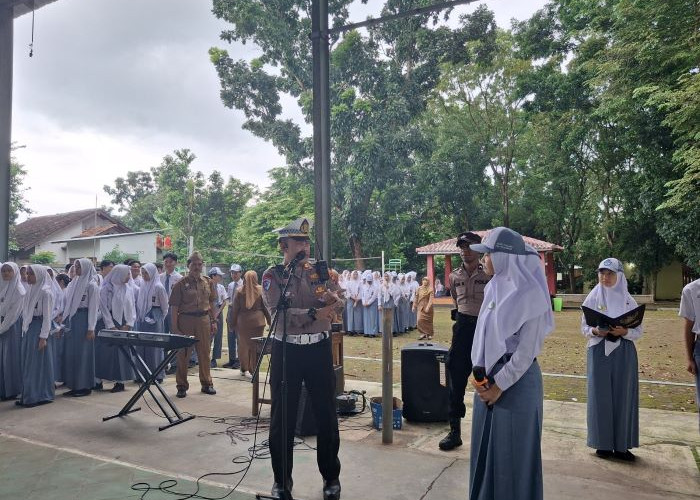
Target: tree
{"points": [[44, 258], [18, 205], [379, 85]]}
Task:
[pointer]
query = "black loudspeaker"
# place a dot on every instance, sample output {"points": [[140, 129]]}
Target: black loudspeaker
{"points": [[424, 382], [306, 421]]}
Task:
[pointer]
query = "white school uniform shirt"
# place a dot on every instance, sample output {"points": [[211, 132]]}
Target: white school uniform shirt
{"points": [[158, 298], [91, 300], [369, 294], [233, 287], [174, 278], [12, 297], [690, 304]]}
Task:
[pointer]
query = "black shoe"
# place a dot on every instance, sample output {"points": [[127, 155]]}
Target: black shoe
{"points": [[209, 390], [627, 456], [604, 453], [181, 393], [98, 387], [278, 492], [451, 441], [81, 393], [9, 398], [227, 365], [213, 363], [118, 387], [68, 393], [236, 365], [331, 490]]}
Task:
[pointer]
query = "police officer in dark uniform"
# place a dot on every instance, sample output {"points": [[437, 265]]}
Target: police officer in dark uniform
{"points": [[467, 284], [312, 303]]}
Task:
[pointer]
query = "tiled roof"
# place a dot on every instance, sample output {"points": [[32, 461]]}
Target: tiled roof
{"points": [[448, 247], [37, 229], [99, 230]]}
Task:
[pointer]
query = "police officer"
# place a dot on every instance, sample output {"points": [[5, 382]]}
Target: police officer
{"points": [[193, 310], [312, 303], [467, 284]]}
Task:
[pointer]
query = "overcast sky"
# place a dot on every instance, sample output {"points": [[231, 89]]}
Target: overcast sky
{"points": [[115, 85]]}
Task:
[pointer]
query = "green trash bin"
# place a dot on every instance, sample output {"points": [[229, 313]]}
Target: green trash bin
{"points": [[557, 303]]}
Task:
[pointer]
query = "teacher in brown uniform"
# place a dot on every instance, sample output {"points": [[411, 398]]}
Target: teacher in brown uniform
{"points": [[312, 304], [192, 303]]}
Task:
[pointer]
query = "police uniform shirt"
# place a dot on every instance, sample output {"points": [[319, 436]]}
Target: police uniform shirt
{"points": [[467, 290], [690, 304], [305, 291], [192, 294]]}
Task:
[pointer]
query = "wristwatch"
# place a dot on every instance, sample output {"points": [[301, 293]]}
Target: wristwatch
{"points": [[312, 313]]}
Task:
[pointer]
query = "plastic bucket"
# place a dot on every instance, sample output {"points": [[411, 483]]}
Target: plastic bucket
{"points": [[557, 303]]}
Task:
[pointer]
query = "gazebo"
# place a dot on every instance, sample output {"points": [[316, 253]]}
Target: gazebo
{"points": [[448, 248]]}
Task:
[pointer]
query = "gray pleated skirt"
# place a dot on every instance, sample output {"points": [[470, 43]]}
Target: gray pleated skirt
{"points": [[10, 361], [369, 318], [506, 459], [152, 356], [613, 397], [78, 353], [58, 345], [37, 366], [110, 362], [348, 316], [357, 321]]}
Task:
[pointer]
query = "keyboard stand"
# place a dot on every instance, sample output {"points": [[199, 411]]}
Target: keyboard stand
{"points": [[140, 368]]}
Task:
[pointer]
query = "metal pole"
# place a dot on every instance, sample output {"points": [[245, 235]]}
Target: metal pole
{"points": [[387, 378], [6, 47], [321, 119]]}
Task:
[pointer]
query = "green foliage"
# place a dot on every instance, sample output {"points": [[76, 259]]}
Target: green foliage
{"points": [[44, 258], [118, 256], [18, 205]]}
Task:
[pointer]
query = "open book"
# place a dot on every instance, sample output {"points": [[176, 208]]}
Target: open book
{"points": [[630, 319]]}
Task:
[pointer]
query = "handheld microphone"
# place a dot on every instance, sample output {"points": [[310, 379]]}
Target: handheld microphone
{"points": [[480, 378], [298, 258]]}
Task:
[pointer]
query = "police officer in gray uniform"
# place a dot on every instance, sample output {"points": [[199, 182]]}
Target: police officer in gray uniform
{"points": [[312, 303], [467, 284]]}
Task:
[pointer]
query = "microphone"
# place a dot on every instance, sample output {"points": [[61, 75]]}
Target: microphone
{"points": [[298, 258]]}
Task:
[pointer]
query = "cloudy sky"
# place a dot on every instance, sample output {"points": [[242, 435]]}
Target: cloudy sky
{"points": [[114, 85]]}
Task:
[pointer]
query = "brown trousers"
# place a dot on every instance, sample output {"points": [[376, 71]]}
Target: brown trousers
{"points": [[198, 327]]}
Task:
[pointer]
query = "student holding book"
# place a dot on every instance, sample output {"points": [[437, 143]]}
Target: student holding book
{"points": [[613, 379]]}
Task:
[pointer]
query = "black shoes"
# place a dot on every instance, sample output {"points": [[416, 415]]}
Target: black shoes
{"points": [[209, 390], [118, 387], [79, 393], [281, 494], [98, 387], [454, 438], [627, 456], [604, 453], [331, 490], [181, 393], [213, 364]]}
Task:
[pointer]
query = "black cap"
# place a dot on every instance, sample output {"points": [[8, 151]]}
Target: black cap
{"points": [[468, 238], [503, 239]]}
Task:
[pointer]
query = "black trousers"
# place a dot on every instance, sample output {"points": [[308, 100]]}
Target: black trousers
{"points": [[459, 363], [312, 364]]}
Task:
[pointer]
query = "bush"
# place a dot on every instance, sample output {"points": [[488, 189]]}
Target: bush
{"points": [[44, 258]]}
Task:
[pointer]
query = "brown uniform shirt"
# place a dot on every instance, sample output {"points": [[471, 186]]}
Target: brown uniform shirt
{"points": [[305, 291], [467, 290], [192, 294]]}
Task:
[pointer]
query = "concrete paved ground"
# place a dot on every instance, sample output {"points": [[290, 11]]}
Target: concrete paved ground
{"points": [[65, 450]]}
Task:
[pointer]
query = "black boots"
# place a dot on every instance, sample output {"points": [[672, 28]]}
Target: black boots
{"points": [[453, 439]]}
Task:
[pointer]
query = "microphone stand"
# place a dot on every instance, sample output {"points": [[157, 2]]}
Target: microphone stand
{"points": [[282, 305]]}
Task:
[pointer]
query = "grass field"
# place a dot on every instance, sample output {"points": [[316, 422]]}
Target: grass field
{"points": [[660, 351]]}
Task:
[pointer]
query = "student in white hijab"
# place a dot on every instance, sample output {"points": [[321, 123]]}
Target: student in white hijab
{"points": [[412, 287], [402, 307], [515, 317], [388, 295], [151, 309], [118, 307], [80, 318], [37, 345], [613, 379], [12, 295], [369, 303], [56, 325], [355, 294]]}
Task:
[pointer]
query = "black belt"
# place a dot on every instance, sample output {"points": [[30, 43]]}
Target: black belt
{"points": [[195, 313], [468, 317]]}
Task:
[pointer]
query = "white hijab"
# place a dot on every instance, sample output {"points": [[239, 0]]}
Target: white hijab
{"points": [[122, 292], [35, 292], [12, 291], [517, 293], [612, 301], [147, 290], [78, 286]]}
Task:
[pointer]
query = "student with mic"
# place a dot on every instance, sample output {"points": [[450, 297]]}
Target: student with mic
{"points": [[515, 317], [312, 301]]}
